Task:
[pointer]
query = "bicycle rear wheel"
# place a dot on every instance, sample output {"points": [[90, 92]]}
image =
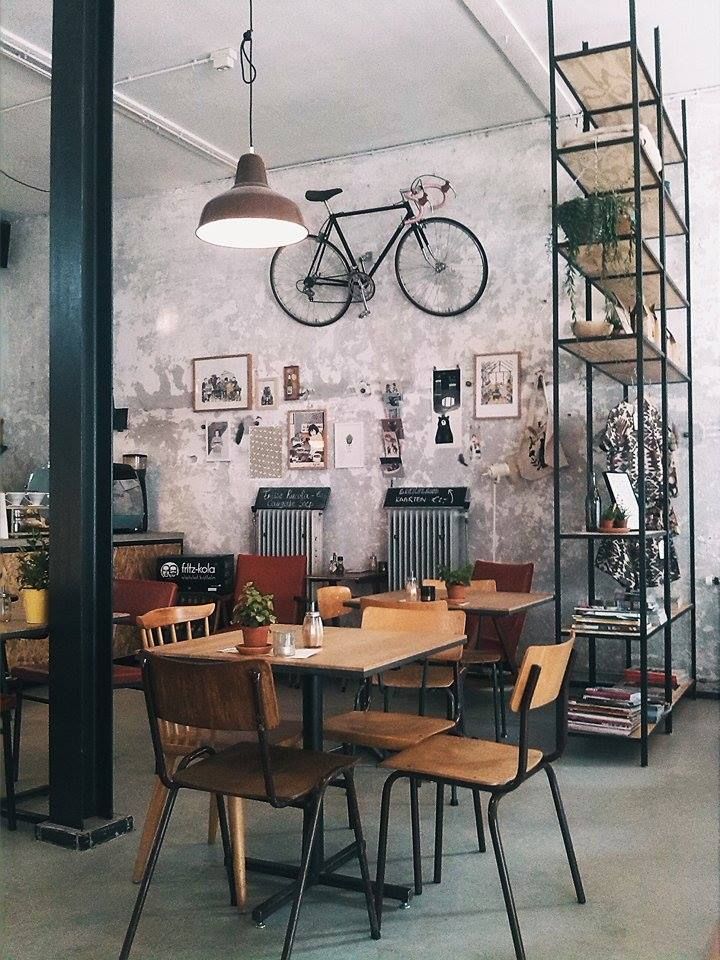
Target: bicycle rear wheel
{"points": [[310, 281], [441, 266]]}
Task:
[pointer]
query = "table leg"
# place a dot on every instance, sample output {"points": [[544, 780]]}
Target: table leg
{"points": [[312, 697]]}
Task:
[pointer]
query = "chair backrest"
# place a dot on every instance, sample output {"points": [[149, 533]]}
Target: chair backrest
{"points": [[158, 627], [552, 659], [483, 586], [331, 602], [211, 694], [136, 597], [512, 577], [283, 577], [432, 618]]}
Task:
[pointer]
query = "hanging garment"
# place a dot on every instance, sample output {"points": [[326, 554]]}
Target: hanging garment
{"points": [[621, 558], [535, 456]]}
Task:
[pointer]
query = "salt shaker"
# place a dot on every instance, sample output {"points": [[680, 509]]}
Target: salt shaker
{"points": [[411, 587], [312, 628]]}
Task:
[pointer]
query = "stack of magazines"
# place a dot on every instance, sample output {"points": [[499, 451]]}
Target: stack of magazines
{"points": [[596, 619], [607, 710]]}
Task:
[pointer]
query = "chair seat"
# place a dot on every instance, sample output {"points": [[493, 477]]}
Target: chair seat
{"points": [[31, 672], [481, 762], [411, 678], [238, 772], [126, 675], [383, 731], [479, 657], [287, 734]]}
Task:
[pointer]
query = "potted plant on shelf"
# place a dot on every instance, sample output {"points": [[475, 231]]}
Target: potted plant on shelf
{"points": [[621, 520], [254, 613], [607, 520], [599, 218], [457, 580], [34, 579]]}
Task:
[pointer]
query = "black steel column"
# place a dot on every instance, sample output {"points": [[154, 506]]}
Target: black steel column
{"points": [[81, 784]]}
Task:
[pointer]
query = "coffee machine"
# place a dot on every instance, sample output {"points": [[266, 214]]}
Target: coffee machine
{"points": [[138, 463]]}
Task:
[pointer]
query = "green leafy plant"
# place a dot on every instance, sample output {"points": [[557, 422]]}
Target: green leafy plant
{"points": [[599, 218], [609, 514], [34, 565], [621, 516], [254, 609], [459, 576]]}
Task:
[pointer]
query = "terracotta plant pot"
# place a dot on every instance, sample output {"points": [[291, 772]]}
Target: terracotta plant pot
{"points": [[256, 636], [36, 605], [457, 591], [607, 525], [621, 526]]}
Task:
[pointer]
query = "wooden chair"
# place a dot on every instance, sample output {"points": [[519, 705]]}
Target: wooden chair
{"points": [[495, 768], [230, 695], [331, 603], [484, 643], [283, 577], [384, 731], [170, 625], [7, 704]]}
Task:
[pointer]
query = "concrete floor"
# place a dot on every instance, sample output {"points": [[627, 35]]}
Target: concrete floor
{"points": [[646, 841]]}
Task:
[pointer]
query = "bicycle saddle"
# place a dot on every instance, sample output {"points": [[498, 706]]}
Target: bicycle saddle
{"points": [[320, 196]]}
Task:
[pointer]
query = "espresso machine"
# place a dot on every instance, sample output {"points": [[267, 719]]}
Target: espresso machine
{"points": [[138, 462]]}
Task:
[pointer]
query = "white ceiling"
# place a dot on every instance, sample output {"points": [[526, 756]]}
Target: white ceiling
{"points": [[334, 76]]}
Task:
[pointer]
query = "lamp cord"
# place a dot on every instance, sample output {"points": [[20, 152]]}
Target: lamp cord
{"points": [[22, 183], [248, 70]]}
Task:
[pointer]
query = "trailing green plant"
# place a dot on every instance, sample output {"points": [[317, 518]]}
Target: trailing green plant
{"points": [[593, 219], [34, 564], [456, 576], [254, 609]]}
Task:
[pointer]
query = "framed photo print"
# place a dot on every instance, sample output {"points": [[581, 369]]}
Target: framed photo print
{"points": [[222, 383], [623, 495], [497, 385], [307, 440], [266, 393]]}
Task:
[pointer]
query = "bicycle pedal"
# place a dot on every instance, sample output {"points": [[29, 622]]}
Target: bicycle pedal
{"points": [[364, 313]]}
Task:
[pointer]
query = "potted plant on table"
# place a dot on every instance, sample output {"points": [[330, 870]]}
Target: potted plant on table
{"points": [[457, 580], [254, 613], [603, 219], [621, 520], [34, 579]]}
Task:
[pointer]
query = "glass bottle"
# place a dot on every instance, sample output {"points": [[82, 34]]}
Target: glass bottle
{"points": [[593, 507], [411, 587], [312, 628], [332, 566], [373, 564], [340, 568]]}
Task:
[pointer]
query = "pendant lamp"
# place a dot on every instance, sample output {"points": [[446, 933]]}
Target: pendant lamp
{"points": [[250, 214]]}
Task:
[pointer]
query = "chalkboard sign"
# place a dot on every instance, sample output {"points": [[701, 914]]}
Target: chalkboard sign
{"points": [[427, 497], [292, 498]]}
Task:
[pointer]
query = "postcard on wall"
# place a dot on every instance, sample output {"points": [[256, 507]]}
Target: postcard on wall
{"points": [[266, 393], [391, 438], [222, 383], [393, 425], [307, 440], [217, 441], [392, 467], [497, 385], [266, 452], [349, 445]]}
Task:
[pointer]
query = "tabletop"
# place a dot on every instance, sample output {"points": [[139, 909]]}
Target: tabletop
{"points": [[345, 650], [347, 576], [501, 604], [17, 628]]}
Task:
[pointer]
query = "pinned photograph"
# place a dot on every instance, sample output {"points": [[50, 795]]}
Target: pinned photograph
{"points": [[392, 467], [266, 393], [307, 440], [217, 441], [222, 383], [349, 445], [497, 385]]}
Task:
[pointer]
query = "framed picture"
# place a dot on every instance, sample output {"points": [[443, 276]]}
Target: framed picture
{"points": [[222, 383], [217, 441], [266, 393], [623, 496], [497, 385], [291, 382], [307, 440]]}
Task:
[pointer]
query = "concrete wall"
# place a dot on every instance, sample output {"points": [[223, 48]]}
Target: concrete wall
{"points": [[176, 299]]}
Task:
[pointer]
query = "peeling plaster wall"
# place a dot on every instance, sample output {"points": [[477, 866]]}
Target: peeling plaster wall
{"points": [[176, 298]]}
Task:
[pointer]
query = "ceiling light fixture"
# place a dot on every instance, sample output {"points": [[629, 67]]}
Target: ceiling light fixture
{"points": [[250, 215]]}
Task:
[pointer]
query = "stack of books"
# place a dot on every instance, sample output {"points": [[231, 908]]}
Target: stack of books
{"points": [[655, 678], [609, 710], [596, 619]]}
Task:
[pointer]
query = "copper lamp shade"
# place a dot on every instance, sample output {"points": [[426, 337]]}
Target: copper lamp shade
{"points": [[250, 214]]}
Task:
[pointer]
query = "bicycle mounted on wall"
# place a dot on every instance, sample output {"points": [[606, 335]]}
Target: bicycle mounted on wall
{"points": [[440, 264]]}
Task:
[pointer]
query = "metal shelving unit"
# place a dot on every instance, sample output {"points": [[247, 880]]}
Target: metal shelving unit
{"points": [[638, 275]]}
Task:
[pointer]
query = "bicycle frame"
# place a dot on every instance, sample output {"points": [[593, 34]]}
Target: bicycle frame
{"points": [[332, 223]]}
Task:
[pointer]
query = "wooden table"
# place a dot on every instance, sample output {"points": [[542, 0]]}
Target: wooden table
{"points": [[346, 652]]}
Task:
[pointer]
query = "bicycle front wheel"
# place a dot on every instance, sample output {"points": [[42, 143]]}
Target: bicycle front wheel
{"points": [[310, 281], [441, 266]]}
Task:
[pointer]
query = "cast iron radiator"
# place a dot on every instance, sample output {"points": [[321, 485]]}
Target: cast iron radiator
{"points": [[427, 528], [289, 521]]}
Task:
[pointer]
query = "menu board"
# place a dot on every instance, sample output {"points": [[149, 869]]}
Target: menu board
{"points": [[292, 498], [427, 497]]}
